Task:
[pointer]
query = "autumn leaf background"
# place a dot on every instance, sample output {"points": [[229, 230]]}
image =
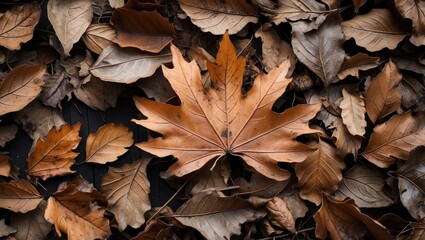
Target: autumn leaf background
{"points": [[184, 119]]}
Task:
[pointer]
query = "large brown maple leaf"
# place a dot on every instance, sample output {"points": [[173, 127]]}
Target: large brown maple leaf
{"points": [[221, 120]]}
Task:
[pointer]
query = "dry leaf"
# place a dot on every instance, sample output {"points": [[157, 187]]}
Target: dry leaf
{"points": [[319, 173], [418, 232], [216, 217], [201, 56], [98, 36], [395, 139], [280, 214], [353, 113], [298, 207], [70, 20], [352, 65], [108, 143], [259, 186], [414, 10], [127, 191], [412, 93], [382, 96], [55, 89], [210, 178], [156, 229], [145, 30], [375, 30], [6, 230], [102, 8], [157, 87], [7, 134], [20, 87], [215, 16], [116, 3], [5, 165], [32, 225], [127, 65], [73, 209], [210, 124], [17, 25], [19, 196], [342, 219], [365, 186], [53, 156], [344, 141]]}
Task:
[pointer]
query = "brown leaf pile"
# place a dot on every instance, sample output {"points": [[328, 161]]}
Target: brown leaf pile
{"points": [[286, 119]]}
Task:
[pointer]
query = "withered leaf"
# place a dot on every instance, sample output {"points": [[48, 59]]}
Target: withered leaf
{"points": [[7, 134], [209, 178], [375, 30], [19, 196], [116, 3], [352, 65], [127, 190], [339, 219], [260, 186], [54, 156], [156, 229], [98, 36], [353, 113], [74, 210], [414, 10], [320, 172], [31, 225], [108, 143], [70, 20], [157, 87], [280, 214], [127, 65], [17, 25], [412, 93], [55, 89], [215, 16], [20, 87], [418, 232], [209, 124], [344, 141], [5, 165], [200, 56], [383, 97], [6, 230]]}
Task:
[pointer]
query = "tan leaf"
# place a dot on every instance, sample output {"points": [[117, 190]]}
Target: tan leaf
{"points": [[319, 173], [145, 30], [353, 113], [53, 156], [98, 36], [344, 141], [73, 209], [341, 219], [108, 143], [216, 217], [70, 20], [17, 25], [19, 196], [395, 139], [6, 230], [209, 124], [7, 134], [280, 214], [201, 56], [292, 198], [418, 232], [5, 165], [127, 191], [352, 65], [31, 225], [20, 87], [414, 10], [37, 119], [215, 16], [116, 3], [382, 96], [127, 65], [375, 30], [320, 50], [365, 186]]}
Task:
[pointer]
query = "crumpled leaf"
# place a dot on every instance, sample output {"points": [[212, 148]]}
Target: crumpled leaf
{"points": [[353, 113], [54, 156], [280, 214], [19, 196], [7, 134], [215, 16], [344, 141], [31, 225], [55, 89], [414, 10], [352, 65], [98, 36], [209, 124], [6, 230], [127, 190], [376, 30], [17, 25]]}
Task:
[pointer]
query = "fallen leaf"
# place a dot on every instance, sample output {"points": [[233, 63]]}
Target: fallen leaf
{"points": [[320, 50], [376, 30], [215, 16], [17, 25], [6, 230], [211, 177], [5, 165], [126, 65], [415, 11], [98, 36], [157, 87], [365, 186], [344, 141], [297, 208], [201, 56], [145, 30], [342, 219], [353, 113], [412, 92], [395, 139], [73, 209], [20, 87], [7, 134], [280, 214], [102, 8], [70, 20], [259, 186], [116, 3], [53, 156], [382, 96], [127, 190], [216, 217], [156, 229], [19, 196], [352, 65], [31, 225], [418, 232], [358, 4], [320, 173], [410, 65], [55, 89], [210, 124]]}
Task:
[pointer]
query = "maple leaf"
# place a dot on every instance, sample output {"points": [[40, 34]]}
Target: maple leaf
{"points": [[220, 120]]}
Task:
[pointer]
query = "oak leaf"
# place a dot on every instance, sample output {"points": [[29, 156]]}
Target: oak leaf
{"points": [[20, 87], [211, 123], [54, 156], [414, 10], [352, 65], [7, 134], [127, 190], [17, 25], [19, 196], [353, 113], [98, 36], [31, 225]]}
